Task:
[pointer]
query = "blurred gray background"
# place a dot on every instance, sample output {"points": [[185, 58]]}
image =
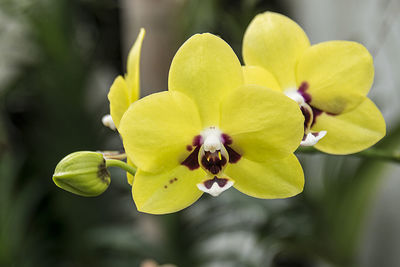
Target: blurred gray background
{"points": [[58, 60]]}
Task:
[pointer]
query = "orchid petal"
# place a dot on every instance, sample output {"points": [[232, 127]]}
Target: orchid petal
{"points": [[123, 92], [263, 124], [339, 75], [352, 131], [275, 42], [206, 69], [166, 192], [119, 99], [259, 76], [132, 67], [271, 179], [157, 129]]}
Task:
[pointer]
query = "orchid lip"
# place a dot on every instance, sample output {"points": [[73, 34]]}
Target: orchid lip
{"points": [[213, 163], [215, 186], [312, 138], [211, 150], [310, 114], [213, 156]]}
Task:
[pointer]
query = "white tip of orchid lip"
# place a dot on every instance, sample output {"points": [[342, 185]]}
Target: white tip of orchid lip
{"points": [[312, 138], [108, 122], [215, 189]]}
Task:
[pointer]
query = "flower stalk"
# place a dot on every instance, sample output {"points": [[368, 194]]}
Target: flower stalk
{"points": [[120, 164]]}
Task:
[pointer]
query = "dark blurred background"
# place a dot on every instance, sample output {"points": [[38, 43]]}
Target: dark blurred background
{"points": [[57, 62]]}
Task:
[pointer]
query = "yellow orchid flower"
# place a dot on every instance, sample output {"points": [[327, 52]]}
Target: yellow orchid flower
{"points": [[125, 91], [329, 81], [210, 132]]}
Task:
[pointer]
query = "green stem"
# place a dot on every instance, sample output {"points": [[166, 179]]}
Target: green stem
{"points": [[120, 164], [110, 154], [373, 153]]}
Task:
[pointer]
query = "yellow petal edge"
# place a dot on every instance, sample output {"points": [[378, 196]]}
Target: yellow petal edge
{"points": [[275, 42], [206, 69], [254, 75], [263, 123], [339, 75], [166, 192], [124, 92], [268, 180], [157, 129], [351, 132]]}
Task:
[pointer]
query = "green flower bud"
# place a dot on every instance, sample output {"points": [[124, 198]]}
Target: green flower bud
{"points": [[83, 173]]}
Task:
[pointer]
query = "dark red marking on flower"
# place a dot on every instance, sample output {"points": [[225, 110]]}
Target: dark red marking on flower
{"points": [[189, 148], [220, 181], [307, 98], [315, 134], [192, 161], [316, 113], [173, 180], [303, 86], [233, 155], [304, 137], [226, 139], [302, 90], [307, 117], [197, 140], [165, 186], [212, 162]]}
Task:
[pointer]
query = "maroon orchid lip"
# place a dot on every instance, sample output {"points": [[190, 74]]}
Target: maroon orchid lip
{"points": [[302, 91], [213, 162], [310, 114], [215, 186], [304, 86], [212, 151], [308, 117], [220, 181]]}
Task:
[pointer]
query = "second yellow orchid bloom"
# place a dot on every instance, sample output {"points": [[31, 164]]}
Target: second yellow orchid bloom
{"points": [[125, 90], [329, 81]]}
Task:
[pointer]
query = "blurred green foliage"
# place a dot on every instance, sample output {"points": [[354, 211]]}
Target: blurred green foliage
{"points": [[227, 18], [44, 117], [46, 113]]}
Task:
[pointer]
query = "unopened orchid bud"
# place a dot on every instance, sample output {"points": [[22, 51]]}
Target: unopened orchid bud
{"points": [[83, 173]]}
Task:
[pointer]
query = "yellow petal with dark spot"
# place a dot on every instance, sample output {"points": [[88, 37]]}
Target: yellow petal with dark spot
{"points": [[168, 191]]}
